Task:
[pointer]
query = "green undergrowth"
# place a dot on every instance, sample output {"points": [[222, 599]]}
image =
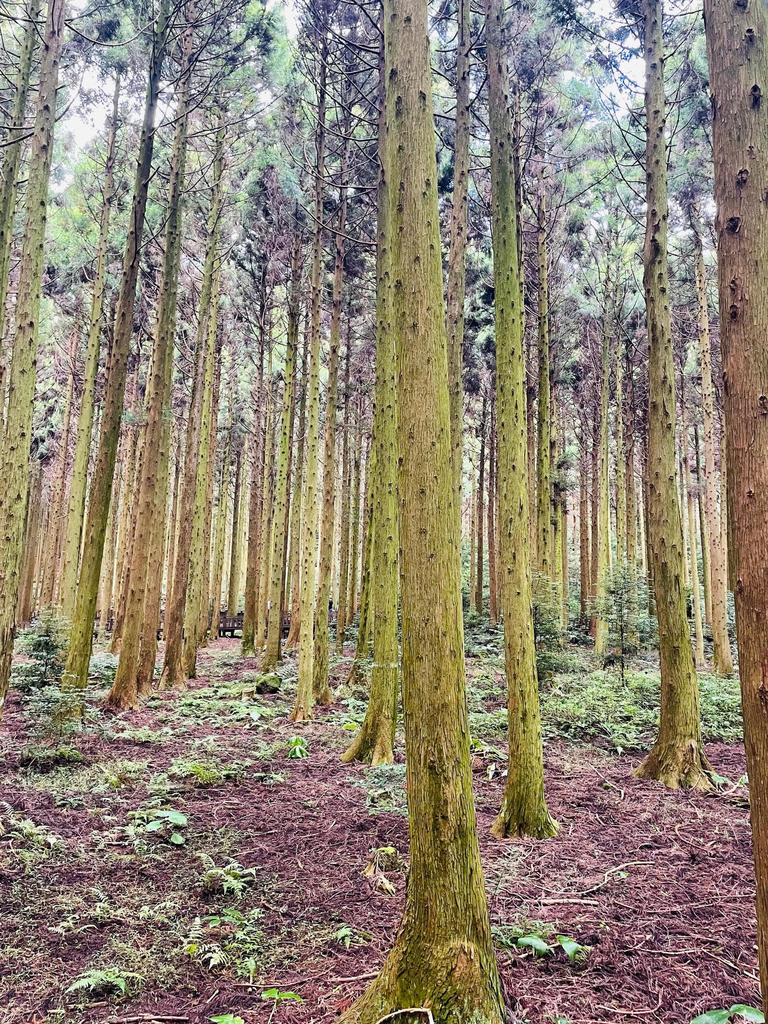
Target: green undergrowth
{"points": [[599, 708]]}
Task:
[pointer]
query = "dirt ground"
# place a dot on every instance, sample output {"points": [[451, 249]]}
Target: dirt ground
{"points": [[657, 885]]}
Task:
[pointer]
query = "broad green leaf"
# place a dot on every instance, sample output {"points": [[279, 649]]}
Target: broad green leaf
{"points": [[155, 824], [536, 943], [177, 838], [572, 949], [226, 1018], [750, 1013], [175, 817], [713, 1017]]}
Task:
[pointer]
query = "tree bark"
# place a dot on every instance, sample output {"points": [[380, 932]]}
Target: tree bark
{"points": [[737, 44], [677, 758], [76, 671], [443, 954], [17, 438]]}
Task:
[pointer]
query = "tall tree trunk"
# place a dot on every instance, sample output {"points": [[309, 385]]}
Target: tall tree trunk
{"points": [[320, 668], [479, 514], [76, 510], [275, 606], [196, 604], [703, 530], [296, 490], [585, 566], [233, 579], [722, 658], [493, 611], [305, 698], [17, 439], [456, 284], [523, 810], [174, 673], [543, 461], [374, 742], [76, 671], [342, 615], [603, 493], [737, 43], [12, 149], [442, 958], [677, 757], [124, 692]]}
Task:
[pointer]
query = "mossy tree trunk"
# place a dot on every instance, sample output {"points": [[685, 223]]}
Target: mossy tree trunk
{"points": [[320, 666], [443, 955], [456, 283], [296, 489], [523, 810], [124, 692], [677, 757], [174, 673], [196, 605], [603, 493], [12, 150], [277, 569], [305, 697], [76, 671], [76, 508], [544, 412], [17, 438], [737, 44], [374, 742], [721, 657]]}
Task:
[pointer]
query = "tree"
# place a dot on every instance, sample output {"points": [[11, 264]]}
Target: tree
{"points": [[524, 810], [677, 758], [443, 954], [737, 45], [16, 437], [76, 671]]}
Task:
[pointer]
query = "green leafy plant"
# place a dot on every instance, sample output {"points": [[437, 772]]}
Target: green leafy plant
{"points": [[105, 981], [41, 757], [44, 645], [231, 879], [163, 822], [226, 1018], [739, 1011], [205, 773], [231, 938], [297, 747], [347, 937]]}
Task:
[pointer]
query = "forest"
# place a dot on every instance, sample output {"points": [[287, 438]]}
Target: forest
{"points": [[383, 511]]}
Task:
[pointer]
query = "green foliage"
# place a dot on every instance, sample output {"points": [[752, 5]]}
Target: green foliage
{"points": [[599, 708], [347, 936], [230, 939], [278, 996], [547, 625], [43, 758], [102, 668], [297, 748], [538, 941], [226, 1018], [625, 609], [105, 981], [739, 1011], [385, 789], [43, 645], [29, 842], [204, 773], [159, 822], [231, 879]]}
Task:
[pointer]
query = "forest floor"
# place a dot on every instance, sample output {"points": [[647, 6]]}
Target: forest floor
{"points": [[205, 856]]}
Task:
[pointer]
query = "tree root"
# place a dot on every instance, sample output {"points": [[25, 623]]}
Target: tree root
{"points": [[677, 765]]}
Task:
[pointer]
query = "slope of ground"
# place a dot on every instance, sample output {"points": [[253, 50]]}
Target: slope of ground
{"points": [[205, 856]]}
